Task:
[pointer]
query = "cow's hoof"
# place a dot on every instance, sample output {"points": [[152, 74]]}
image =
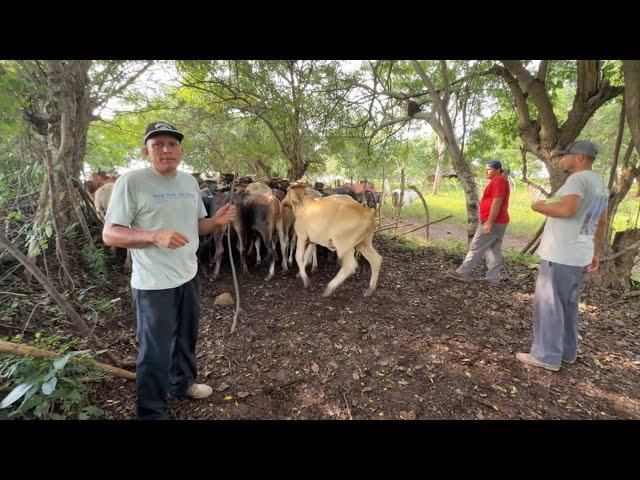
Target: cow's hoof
{"points": [[368, 292], [314, 269], [327, 292]]}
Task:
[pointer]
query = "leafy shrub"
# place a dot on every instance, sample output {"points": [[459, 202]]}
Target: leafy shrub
{"points": [[49, 388]]}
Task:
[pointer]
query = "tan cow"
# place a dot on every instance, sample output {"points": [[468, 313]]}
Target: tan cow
{"points": [[339, 224], [102, 197]]}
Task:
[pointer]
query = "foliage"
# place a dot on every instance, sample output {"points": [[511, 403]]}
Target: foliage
{"points": [[48, 388], [94, 259]]}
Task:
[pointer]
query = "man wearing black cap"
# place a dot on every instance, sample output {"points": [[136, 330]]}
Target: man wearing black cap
{"points": [[494, 218], [158, 213], [571, 240]]}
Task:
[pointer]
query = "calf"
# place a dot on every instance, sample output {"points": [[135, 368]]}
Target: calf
{"points": [[339, 224], [262, 214], [102, 197], [211, 246], [408, 197]]}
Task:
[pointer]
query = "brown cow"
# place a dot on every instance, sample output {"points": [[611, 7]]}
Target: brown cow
{"points": [[262, 214]]}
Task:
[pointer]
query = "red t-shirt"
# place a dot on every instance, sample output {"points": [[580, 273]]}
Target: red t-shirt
{"points": [[498, 187]]}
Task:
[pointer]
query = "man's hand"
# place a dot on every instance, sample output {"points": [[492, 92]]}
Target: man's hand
{"points": [[486, 227], [595, 263], [170, 240], [225, 214], [535, 205]]}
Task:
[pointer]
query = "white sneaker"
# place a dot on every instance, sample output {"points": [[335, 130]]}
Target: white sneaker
{"points": [[199, 390], [534, 362]]}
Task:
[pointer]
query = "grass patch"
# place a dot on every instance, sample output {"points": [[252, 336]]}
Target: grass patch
{"points": [[523, 221]]}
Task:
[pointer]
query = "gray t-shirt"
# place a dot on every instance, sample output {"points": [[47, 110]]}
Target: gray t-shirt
{"points": [[146, 200], [569, 241]]}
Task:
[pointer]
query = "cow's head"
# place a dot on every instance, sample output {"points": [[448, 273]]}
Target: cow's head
{"points": [[296, 193]]}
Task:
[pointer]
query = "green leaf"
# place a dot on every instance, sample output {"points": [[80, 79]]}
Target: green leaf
{"points": [[49, 386], [59, 363], [94, 411], [16, 394], [48, 230]]}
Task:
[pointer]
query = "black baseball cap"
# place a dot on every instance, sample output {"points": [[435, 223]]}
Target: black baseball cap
{"points": [[580, 147], [156, 128]]}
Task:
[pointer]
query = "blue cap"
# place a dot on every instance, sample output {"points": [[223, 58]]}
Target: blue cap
{"points": [[495, 164]]}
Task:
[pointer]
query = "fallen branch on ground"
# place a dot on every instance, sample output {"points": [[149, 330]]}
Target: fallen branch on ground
{"points": [[80, 324], [26, 351]]}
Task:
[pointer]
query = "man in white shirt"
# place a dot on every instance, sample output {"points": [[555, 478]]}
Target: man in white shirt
{"points": [[573, 234], [158, 213]]}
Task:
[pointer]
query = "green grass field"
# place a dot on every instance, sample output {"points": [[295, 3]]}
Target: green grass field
{"points": [[524, 221]]}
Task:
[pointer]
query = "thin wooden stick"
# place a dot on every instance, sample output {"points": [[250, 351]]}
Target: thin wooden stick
{"points": [[236, 286], [394, 225], [59, 298], [26, 351], [421, 226], [427, 215]]}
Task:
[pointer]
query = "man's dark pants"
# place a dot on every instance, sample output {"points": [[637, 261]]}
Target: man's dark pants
{"points": [[167, 335]]}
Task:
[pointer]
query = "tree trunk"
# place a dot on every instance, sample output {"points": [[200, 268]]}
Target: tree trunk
{"points": [[38, 223], [297, 169], [66, 280], [442, 148], [468, 181], [616, 273], [631, 69]]}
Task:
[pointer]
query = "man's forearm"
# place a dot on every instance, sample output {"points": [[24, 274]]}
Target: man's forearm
{"points": [[206, 225], [123, 237], [555, 210]]}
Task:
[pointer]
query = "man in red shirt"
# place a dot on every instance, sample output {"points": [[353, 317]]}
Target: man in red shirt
{"points": [[494, 218]]}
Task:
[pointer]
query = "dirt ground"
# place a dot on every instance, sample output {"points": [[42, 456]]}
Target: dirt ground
{"points": [[422, 347]]}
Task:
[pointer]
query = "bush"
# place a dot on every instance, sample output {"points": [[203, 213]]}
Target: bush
{"points": [[49, 388]]}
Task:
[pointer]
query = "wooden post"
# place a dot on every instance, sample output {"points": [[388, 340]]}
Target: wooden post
{"points": [[401, 199]]}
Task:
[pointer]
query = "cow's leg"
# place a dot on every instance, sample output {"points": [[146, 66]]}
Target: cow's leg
{"points": [[307, 254], [292, 244], [243, 256], [347, 267], [257, 243], [218, 235], [283, 246], [375, 261], [300, 248], [311, 256], [270, 243], [314, 255]]}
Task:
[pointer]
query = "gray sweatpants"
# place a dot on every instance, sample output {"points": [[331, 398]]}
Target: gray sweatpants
{"points": [[489, 245], [555, 312]]}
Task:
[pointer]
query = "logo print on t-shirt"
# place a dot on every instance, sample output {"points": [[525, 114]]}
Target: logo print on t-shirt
{"points": [[593, 215]]}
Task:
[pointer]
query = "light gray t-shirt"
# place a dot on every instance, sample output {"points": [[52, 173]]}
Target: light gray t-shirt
{"points": [[569, 241], [146, 200]]}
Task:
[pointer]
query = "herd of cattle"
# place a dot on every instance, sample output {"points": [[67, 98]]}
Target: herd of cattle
{"points": [[276, 212]]}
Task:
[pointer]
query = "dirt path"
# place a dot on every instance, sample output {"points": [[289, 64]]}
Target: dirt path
{"points": [[423, 346], [450, 229]]}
